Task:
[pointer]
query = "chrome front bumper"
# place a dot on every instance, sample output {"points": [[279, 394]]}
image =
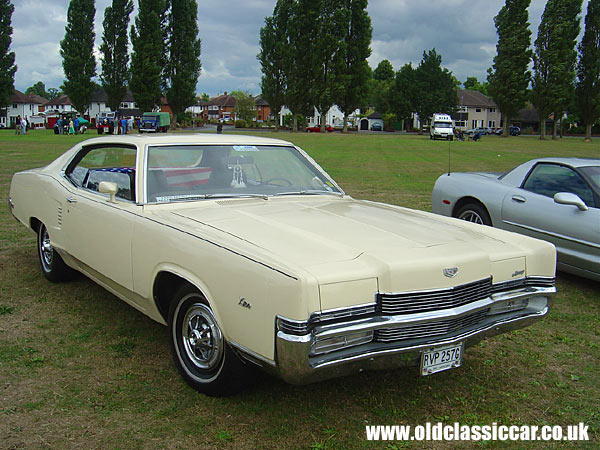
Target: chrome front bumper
{"points": [[297, 362]]}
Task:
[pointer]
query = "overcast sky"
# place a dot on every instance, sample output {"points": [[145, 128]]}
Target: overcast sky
{"points": [[462, 31]]}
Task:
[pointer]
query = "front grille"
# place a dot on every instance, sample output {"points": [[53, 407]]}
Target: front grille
{"points": [[423, 301], [430, 329]]}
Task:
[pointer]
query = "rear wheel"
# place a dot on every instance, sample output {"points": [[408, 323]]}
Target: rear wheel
{"points": [[475, 213], [202, 356], [53, 266]]}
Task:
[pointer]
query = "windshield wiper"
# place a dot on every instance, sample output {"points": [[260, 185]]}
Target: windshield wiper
{"points": [[224, 195], [311, 192]]}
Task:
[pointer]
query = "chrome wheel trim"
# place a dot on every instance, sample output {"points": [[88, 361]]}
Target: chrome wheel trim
{"points": [[202, 337], [46, 250], [471, 216]]}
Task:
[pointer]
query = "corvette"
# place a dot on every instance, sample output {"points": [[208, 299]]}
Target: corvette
{"points": [[555, 199], [256, 259]]}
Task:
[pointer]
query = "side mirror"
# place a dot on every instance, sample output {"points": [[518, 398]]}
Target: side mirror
{"points": [[567, 198], [110, 188]]}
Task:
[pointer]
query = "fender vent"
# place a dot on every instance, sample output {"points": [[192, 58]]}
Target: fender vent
{"points": [[60, 213]]}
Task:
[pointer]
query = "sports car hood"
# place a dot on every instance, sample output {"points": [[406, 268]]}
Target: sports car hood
{"points": [[317, 231]]}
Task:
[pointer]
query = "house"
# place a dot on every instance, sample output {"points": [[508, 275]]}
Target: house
{"points": [[61, 104], [197, 110], [263, 109], [221, 107], [41, 101], [334, 117], [373, 119], [476, 110], [19, 105]]}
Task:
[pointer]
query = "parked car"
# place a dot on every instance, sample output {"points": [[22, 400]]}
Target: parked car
{"points": [[481, 130], [255, 258], [514, 131], [317, 129], [555, 199], [376, 127]]}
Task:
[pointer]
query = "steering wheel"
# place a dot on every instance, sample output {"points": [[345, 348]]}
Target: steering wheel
{"points": [[272, 180]]}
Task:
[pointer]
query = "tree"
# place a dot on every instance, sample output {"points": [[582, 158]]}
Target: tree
{"points": [[274, 56], [510, 76], [148, 54], [245, 106], [205, 97], [301, 65], [554, 60], [38, 88], [435, 88], [403, 98], [7, 58], [330, 50], [115, 57], [384, 71], [183, 65], [355, 72], [77, 51], [473, 84], [53, 93], [588, 70]]}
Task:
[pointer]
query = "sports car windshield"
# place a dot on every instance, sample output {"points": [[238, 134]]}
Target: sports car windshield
{"points": [[196, 172]]}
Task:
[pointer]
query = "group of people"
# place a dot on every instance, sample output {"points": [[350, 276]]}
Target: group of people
{"points": [[69, 126], [21, 125]]}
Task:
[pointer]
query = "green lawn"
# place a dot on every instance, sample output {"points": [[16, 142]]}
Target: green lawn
{"points": [[78, 367]]}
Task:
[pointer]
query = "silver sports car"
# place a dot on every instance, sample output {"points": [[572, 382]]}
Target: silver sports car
{"points": [[555, 199]]}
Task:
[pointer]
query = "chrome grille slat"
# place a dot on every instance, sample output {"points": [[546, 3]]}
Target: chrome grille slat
{"points": [[415, 302], [429, 329]]}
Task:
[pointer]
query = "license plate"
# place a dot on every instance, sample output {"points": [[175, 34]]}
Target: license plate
{"points": [[436, 359]]}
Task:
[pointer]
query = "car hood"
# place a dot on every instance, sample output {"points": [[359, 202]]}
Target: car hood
{"points": [[310, 232]]}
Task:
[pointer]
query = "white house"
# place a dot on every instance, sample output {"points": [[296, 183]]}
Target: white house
{"points": [[20, 105], [334, 117]]}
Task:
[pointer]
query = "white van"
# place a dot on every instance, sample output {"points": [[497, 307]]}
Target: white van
{"points": [[441, 127]]}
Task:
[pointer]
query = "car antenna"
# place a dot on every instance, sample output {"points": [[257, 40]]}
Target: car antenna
{"points": [[449, 158]]}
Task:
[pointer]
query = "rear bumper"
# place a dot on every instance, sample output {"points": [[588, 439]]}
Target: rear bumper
{"points": [[297, 362]]}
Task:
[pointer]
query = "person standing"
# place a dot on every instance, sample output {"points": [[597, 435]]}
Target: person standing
{"points": [[24, 126], [18, 125], [71, 127]]}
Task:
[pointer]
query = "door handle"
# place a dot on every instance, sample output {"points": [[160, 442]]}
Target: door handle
{"points": [[71, 200], [519, 199]]}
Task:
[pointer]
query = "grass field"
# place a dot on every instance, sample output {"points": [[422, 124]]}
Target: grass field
{"points": [[80, 368]]}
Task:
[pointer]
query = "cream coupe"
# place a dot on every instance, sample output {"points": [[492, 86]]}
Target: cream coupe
{"points": [[255, 258]]}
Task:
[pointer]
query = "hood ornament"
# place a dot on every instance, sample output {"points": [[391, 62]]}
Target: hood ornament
{"points": [[450, 272]]}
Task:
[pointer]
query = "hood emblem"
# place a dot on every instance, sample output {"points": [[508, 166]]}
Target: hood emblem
{"points": [[450, 272]]}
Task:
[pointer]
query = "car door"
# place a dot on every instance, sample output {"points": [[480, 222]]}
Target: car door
{"points": [[98, 232], [531, 210]]}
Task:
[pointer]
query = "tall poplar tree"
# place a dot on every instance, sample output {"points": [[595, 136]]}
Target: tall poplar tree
{"points": [[403, 98], [147, 58], [588, 70], [77, 51], [330, 50], [183, 65], [301, 67], [355, 72], [7, 58], [435, 88], [275, 52], [509, 77], [114, 50], [554, 60]]}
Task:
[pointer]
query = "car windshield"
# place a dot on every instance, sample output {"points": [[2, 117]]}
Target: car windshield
{"points": [[443, 125], [593, 174], [193, 172]]}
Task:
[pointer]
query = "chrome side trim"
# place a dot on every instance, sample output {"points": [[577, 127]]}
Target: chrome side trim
{"points": [[554, 235], [252, 356]]}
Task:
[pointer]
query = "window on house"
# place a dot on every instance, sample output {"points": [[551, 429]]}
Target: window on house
{"points": [[492, 124], [14, 106], [492, 110], [474, 124], [477, 109]]}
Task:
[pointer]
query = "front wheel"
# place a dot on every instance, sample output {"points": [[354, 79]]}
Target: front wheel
{"points": [[53, 266], [475, 213], [201, 354]]}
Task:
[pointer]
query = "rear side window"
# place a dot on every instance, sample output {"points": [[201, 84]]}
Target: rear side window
{"points": [[94, 165], [550, 179]]}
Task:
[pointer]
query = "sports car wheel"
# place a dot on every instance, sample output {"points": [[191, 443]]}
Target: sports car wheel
{"points": [[201, 354], [472, 212], [53, 266]]}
